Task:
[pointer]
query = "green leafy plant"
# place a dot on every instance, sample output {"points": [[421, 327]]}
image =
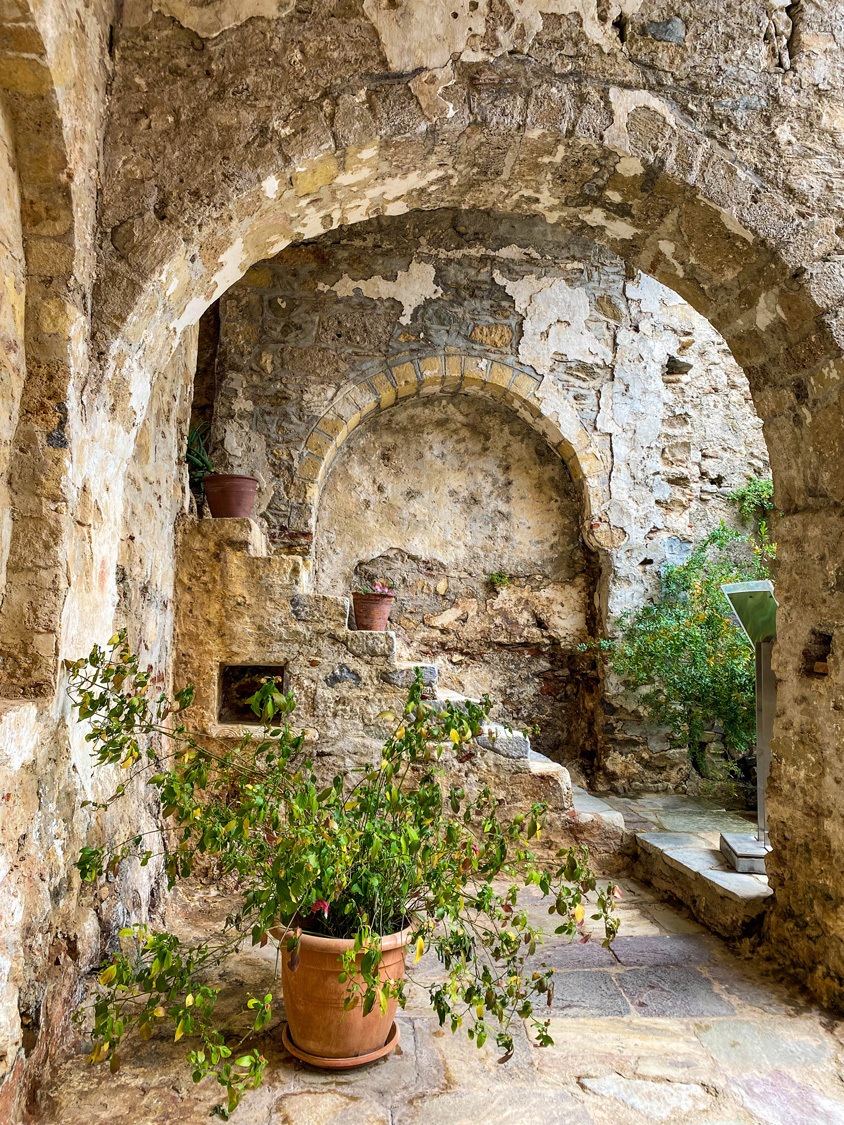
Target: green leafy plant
{"points": [[389, 847], [754, 500], [196, 455], [685, 656], [499, 579]]}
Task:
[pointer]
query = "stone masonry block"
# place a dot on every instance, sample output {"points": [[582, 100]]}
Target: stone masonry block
{"points": [[407, 381]]}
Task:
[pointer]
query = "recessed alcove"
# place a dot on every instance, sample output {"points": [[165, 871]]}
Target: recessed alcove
{"points": [[238, 682]]}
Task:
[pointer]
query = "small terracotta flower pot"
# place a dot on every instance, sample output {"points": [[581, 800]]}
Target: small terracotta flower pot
{"points": [[314, 997], [230, 495], [372, 611]]}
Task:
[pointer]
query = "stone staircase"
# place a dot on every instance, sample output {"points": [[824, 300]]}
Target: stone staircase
{"points": [[575, 816], [240, 605]]}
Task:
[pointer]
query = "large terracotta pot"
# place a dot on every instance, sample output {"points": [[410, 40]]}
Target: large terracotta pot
{"points": [[372, 611], [314, 997], [230, 495]]}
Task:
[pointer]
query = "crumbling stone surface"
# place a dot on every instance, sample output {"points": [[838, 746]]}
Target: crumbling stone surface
{"points": [[713, 165]]}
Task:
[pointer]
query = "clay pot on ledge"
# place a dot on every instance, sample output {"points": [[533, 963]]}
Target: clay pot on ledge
{"points": [[319, 1030], [372, 611], [230, 495]]}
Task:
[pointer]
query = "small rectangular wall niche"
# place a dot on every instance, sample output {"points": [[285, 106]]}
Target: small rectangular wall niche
{"points": [[238, 682]]}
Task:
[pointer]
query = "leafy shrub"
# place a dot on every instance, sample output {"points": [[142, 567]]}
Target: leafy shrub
{"points": [[368, 854], [499, 579], [688, 660], [754, 500]]}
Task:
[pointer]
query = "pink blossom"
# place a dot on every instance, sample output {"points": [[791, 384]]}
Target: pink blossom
{"points": [[320, 907], [617, 892]]}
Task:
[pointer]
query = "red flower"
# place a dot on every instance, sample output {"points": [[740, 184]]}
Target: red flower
{"points": [[320, 907]]}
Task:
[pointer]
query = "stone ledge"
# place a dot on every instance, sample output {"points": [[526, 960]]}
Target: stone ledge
{"points": [[683, 867]]}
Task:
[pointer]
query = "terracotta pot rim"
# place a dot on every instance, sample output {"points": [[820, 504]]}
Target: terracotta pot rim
{"points": [[377, 597], [229, 476], [340, 945]]}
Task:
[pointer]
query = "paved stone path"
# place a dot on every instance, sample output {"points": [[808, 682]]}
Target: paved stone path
{"points": [[677, 1030]]}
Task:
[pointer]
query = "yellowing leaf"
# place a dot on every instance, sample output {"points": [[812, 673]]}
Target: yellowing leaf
{"points": [[400, 732], [108, 975], [420, 949], [579, 912], [180, 1031], [454, 736], [189, 1000], [159, 1012]]}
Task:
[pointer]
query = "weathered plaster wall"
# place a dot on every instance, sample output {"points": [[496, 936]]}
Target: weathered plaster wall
{"points": [[661, 447]]}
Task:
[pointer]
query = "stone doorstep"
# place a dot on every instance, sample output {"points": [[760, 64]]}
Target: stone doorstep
{"points": [[743, 852], [593, 806]]}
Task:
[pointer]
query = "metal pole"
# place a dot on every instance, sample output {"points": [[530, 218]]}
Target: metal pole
{"points": [[765, 708]]}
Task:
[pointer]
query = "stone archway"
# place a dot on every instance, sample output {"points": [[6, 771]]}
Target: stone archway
{"points": [[737, 253], [449, 374], [622, 167]]}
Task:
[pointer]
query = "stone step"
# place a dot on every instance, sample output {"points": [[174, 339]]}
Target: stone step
{"points": [[684, 867], [403, 675], [497, 737], [587, 805]]}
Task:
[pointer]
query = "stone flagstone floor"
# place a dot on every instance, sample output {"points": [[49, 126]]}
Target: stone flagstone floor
{"points": [[677, 1030]]}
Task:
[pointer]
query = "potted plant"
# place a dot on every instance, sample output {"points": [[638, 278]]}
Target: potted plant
{"points": [[229, 495], [372, 603], [346, 876]]}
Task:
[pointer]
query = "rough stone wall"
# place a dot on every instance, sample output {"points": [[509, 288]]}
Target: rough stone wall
{"points": [[12, 349], [54, 67], [663, 406], [237, 128]]}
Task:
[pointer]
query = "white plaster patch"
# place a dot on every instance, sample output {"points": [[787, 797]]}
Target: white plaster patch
{"points": [[528, 21], [18, 734], [418, 36], [271, 185], [412, 287], [766, 310], [555, 322], [424, 36], [630, 166], [615, 227], [624, 102], [210, 20], [231, 270], [669, 249], [428, 90], [652, 295]]}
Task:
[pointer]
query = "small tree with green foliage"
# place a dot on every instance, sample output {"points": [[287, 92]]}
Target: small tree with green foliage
{"points": [[385, 847], [685, 656]]}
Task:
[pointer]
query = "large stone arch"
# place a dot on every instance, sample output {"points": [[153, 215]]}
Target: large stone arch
{"points": [[504, 381], [624, 167]]}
